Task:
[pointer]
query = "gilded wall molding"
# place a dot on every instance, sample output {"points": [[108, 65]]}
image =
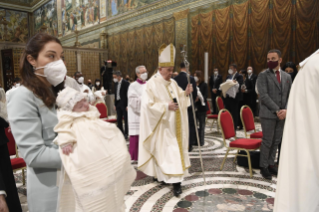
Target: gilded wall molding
{"points": [[181, 15]]}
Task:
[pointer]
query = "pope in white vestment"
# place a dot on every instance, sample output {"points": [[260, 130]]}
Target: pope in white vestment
{"points": [[163, 146], [298, 180]]}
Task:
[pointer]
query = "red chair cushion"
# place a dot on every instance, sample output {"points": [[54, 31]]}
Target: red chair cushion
{"points": [[212, 116], [220, 103], [227, 124], [11, 144], [102, 109], [248, 119], [17, 163], [111, 120], [257, 135], [246, 143], [208, 111]]}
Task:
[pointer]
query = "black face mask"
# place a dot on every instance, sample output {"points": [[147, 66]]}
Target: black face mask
{"points": [[89, 83]]}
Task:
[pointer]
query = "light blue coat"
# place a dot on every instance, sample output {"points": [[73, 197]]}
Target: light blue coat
{"points": [[32, 126]]}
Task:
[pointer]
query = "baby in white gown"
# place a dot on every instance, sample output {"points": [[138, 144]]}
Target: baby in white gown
{"points": [[98, 172]]}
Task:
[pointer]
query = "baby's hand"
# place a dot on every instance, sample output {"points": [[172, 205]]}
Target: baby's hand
{"points": [[67, 149]]}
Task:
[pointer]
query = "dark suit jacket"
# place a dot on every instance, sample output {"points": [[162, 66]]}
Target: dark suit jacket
{"points": [[253, 80], [123, 94], [215, 83], [3, 137], [182, 82], [240, 80]]}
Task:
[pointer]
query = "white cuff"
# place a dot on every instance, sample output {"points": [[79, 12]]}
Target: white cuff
{"points": [[3, 193]]}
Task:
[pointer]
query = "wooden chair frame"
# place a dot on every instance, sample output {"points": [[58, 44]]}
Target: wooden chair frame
{"points": [[234, 148], [242, 120]]}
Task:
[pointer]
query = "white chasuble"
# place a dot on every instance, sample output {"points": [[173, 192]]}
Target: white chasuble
{"points": [[298, 179], [98, 173], [163, 146], [134, 96]]}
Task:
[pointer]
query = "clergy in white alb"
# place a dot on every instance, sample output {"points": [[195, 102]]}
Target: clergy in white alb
{"points": [[134, 96], [97, 171], [163, 146], [298, 180]]}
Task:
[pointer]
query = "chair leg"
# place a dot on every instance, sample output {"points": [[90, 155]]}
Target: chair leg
{"points": [[249, 164], [222, 166], [236, 156], [23, 177], [217, 126]]}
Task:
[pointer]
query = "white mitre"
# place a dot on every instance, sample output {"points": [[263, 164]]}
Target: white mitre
{"points": [[166, 56], [68, 97]]}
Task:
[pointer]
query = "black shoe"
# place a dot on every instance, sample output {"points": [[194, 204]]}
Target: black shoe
{"points": [[177, 189], [273, 170], [265, 173]]}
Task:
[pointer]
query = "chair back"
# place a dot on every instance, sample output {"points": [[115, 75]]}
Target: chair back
{"points": [[208, 112], [220, 103], [247, 118], [226, 124], [11, 144], [102, 109]]}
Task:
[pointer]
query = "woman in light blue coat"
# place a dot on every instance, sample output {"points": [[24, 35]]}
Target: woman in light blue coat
{"points": [[32, 116]]}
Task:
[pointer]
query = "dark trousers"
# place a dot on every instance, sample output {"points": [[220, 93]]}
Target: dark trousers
{"points": [[9, 183], [253, 105], [232, 106], [214, 106], [201, 119], [192, 132], [272, 134], [279, 148], [121, 112]]}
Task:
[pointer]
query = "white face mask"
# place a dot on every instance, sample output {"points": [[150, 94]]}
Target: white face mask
{"points": [[230, 71], [216, 72], [249, 71], [144, 76], [97, 84], [115, 80], [55, 72], [196, 79], [81, 80]]}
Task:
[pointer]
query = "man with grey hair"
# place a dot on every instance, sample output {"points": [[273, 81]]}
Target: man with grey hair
{"points": [[121, 87], [134, 96]]}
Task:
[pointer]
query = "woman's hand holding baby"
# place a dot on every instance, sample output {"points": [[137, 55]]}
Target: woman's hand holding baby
{"points": [[67, 149]]}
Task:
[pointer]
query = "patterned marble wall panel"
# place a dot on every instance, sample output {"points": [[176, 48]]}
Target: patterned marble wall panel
{"points": [[90, 65], [94, 44], [46, 15], [79, 14], [70, 60], [14, 26], [17, 52]]}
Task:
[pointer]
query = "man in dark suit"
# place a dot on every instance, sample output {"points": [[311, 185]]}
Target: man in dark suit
{"points": [[252, 78], [232, 104], [214, 83], [182, 82], [121, 87], [9, 198], [273, 87]]}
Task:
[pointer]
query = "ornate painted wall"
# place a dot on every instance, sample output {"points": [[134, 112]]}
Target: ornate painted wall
{"points": [[14, 26], [117, 7], [47, 15]]}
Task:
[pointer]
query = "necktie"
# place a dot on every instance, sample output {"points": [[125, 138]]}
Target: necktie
{"points": [[278, 76]]}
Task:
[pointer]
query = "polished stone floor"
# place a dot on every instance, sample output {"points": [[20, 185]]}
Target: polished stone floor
{"points": [[228, 190]]}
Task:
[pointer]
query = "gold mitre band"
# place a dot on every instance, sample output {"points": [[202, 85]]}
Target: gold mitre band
{"points": [[166, 55]]}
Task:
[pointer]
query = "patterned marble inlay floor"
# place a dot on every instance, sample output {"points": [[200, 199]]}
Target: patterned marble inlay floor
{"points": [[228, 190]]}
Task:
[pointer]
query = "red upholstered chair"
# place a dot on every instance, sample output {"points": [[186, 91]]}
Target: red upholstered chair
{"points": [[247, 118], [17, 163], [210, 116], [226, 125], [220, 103]]}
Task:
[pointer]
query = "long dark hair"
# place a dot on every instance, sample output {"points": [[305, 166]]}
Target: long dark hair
{"points": [[293, 66], [199, 75], [29, 79]]}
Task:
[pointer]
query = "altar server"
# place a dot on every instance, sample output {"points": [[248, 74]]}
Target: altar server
{"points": [[163, 146], [297, 188]]}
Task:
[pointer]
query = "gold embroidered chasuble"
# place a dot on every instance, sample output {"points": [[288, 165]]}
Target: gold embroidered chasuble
{"points": [[163, 146]]}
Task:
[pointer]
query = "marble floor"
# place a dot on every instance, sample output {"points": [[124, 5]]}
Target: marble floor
{"points": [[228, 190]]}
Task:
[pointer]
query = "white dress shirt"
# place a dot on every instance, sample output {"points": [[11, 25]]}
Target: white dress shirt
{"points": [[274, 70]]}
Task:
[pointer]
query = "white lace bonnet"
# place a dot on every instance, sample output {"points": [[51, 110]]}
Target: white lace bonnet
{"points": [[68, 97]]}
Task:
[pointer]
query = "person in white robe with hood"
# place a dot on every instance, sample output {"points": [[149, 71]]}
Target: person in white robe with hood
{"points": [[97, 171], [163, 145], [298, 180]]}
